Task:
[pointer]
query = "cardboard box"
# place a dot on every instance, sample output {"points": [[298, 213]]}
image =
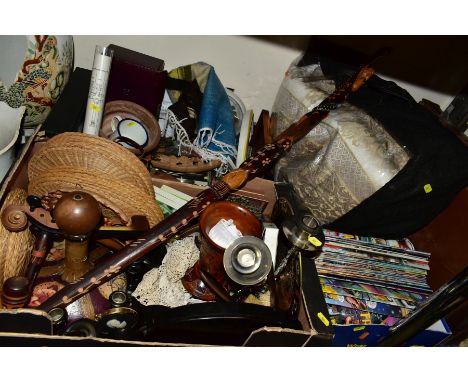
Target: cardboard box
{"points": [[27, 327]]}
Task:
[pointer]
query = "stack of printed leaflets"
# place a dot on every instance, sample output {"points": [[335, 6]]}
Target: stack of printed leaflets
{"points": [[368, 280]]}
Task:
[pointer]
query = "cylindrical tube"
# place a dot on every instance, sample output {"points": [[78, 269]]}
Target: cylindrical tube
{"points": [[97, 90]]}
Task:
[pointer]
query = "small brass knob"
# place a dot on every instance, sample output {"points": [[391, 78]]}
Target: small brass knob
{"points": [[77, 213]]}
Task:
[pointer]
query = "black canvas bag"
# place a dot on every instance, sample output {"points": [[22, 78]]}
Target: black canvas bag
{"points": [[435, 173]]}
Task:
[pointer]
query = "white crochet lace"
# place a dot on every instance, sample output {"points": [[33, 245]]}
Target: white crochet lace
{"points": [[163, 285]]}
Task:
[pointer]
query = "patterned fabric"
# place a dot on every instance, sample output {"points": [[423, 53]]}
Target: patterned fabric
{"points": [[215, 136], [341, 162]]}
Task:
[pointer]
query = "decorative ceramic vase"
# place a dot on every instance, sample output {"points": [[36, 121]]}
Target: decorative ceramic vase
{"points": [[33, 72], [10, 124]]}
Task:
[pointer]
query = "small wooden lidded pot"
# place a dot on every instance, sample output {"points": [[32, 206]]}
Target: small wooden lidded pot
{"points": [[211, 254]]}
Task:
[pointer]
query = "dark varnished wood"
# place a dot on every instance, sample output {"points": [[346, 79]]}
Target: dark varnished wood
{"points": [[159, 234], [77, 213], [17, 290], [211, 254]]}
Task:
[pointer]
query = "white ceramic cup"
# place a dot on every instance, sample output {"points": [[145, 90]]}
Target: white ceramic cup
{"points": [[131, 129]]}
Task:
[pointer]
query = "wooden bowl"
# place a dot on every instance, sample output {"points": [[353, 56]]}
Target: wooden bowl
{"points": [[211, 254], [245, 221], [127, 109]]}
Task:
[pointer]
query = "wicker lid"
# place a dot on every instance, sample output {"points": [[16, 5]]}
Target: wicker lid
{"points": [[86, 151], [124, 198]]}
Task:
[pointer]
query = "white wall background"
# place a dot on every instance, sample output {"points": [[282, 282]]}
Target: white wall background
{"points": [[253, 67]]}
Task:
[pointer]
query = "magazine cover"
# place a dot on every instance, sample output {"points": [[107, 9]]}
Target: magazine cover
{"points": [[367, 305], [340, 315]]}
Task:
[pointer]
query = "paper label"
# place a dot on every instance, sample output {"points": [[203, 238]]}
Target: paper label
{"points": [[359, 328], [315, 241], [95, 107], [323, 319]]}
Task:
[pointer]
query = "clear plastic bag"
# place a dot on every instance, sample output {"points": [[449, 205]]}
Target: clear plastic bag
{"points": [[343, 160]]}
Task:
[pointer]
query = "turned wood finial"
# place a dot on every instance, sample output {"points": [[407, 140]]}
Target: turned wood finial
{"points": [[77, 213], [15, 293], [13, 219]]}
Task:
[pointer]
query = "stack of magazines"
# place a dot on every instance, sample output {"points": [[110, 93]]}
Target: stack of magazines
{"points": [[371, 281]]}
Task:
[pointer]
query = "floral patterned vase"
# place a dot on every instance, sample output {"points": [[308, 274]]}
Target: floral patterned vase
{"points": [[41, 78]]}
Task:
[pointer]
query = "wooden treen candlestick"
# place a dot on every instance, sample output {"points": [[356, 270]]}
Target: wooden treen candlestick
{"points": [[76, 214]]}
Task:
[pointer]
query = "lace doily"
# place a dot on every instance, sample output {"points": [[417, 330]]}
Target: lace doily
{"points": [[163, 285]]}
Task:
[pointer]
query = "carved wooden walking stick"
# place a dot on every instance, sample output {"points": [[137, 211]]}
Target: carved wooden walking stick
{"points": [[252, 167]]}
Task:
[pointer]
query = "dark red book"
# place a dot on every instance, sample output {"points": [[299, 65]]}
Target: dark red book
{"points": [[136, 77]]}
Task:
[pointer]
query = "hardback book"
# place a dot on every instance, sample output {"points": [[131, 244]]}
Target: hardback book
{"points": [[136, 77]]}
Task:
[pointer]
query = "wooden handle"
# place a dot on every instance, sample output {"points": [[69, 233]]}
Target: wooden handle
{"points": [[17, 290], [183, 163], [364, 74]]}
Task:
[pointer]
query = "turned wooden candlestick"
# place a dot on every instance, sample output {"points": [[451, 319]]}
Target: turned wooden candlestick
{"points": [[77, 214]]}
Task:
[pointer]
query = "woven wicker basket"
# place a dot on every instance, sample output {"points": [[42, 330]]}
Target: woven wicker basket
{"points": [[124, 198], [94, 153], [106, 170], [15, 247]]}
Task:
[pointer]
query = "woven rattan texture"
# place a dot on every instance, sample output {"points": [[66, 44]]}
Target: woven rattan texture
{"points": [[124, 198], [94, 153], [106, 170], [15, 247]]}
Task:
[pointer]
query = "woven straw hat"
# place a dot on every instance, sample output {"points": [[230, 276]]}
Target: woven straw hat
{"points": [[106, 170], [15, 247]]}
